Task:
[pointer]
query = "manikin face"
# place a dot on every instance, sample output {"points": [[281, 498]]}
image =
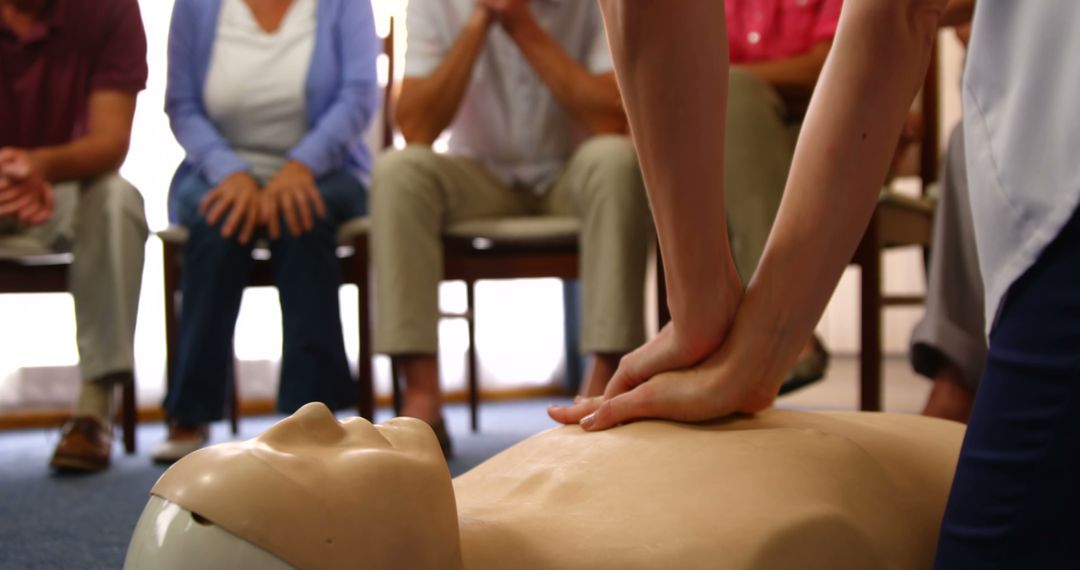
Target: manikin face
{"points": [[319, 493]]}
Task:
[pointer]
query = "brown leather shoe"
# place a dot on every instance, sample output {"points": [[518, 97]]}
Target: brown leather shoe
{"points": [[85, 445]]}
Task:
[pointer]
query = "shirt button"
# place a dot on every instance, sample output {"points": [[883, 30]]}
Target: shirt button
{"points": [[753, 37]]}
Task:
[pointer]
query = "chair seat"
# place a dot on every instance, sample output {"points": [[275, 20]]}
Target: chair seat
{"points": [[177, 234], [28, 251], [914, 203], [546, 230]]}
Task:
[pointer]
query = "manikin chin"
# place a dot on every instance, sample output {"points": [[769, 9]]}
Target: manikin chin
{"points": [[779, 490]]}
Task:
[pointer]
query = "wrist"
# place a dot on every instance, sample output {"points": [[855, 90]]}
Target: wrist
{"points": [[481, 18], [40, 164]]}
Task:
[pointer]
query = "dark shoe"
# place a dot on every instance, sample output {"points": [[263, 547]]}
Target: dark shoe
{"points": [[808, 369], [182, 440], [443, 436], [85, 445]]}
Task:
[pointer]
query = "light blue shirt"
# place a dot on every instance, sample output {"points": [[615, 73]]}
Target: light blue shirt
{"points": [[1022, 131]]}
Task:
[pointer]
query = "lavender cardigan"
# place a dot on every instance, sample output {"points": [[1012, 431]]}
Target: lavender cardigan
{"points": [[341, 90]]}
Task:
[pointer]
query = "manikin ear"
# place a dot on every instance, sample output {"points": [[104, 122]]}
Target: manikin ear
{"points": [[168, 537]]}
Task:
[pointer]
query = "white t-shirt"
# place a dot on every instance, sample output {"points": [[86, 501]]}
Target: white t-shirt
{"points": [[1022, 129], [255, 85], [509, 119]]}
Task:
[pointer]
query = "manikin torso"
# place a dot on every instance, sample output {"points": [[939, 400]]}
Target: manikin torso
{"points": [[779, 490]]}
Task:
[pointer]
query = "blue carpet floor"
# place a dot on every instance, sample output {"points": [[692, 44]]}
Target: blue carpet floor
{"points": [[84, 522]]}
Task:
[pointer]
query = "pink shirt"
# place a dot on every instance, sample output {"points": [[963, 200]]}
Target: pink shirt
{"points": [[765, 30]]}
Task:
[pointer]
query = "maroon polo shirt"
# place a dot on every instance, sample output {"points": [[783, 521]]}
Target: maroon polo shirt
{"points": [[78, 47]]}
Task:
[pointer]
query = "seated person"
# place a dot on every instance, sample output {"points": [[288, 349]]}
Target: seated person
{"points": [[949, 343], [777, 51], [528, 95], [809, 490], [70, 73], [270, 101]]}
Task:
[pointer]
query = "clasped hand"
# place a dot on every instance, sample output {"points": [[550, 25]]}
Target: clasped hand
{"points": [[24, 192], [291, 195], [503, 9]]}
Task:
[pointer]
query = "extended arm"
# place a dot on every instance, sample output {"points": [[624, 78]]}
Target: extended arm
{"points": [[593, 99], [427, 105], [880, 57]]}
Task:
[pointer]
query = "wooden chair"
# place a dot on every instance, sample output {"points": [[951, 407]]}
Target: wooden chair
{"points": [[898, 221], [501, 248], [352, 252], [36, 270]]}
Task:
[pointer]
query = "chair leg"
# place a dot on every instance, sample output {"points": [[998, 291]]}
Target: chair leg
{"points": [[128, 413], [234, 399], [172, 261], [870, 327], [474, 370], [395, 384], [365, 398]]}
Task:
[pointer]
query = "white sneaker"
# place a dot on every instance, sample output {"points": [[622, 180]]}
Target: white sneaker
{"points": [[180, 442]]}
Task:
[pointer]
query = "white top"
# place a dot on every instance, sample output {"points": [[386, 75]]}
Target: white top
{"points": [[509, 119], [1022, 128], [254, 90]]}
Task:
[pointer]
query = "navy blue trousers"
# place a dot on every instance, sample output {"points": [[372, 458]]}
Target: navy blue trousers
{"points": [[307, 275], [1015, 500]]}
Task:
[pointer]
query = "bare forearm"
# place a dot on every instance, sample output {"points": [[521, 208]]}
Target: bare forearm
{"points": [[592, 99], [674, 87], [847, 141], [81, 159], [428, 105], [101, 150]]}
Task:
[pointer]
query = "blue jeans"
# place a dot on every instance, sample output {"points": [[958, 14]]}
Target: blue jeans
{"points": [[307, 275], [1015, 500]]}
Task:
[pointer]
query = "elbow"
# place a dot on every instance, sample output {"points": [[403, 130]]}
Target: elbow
{"points": [[415, 129], [115, 153]]}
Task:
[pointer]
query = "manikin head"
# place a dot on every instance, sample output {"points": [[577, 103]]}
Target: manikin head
{"points": [[310, 492]]}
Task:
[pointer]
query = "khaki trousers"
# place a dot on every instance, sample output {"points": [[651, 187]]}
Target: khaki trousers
{"points": [[102, 223], [416, 193], [759, 145]]}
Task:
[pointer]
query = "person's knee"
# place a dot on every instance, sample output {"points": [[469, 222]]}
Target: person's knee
{"points": [[612, 153], [615, 179], [398, 180], [111, 199], [749, 96]]}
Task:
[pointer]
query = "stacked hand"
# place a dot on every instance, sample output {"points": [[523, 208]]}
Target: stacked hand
{"points": [[291, 194], [24, 192], [238, 198], [504, 10], [670, 378]]}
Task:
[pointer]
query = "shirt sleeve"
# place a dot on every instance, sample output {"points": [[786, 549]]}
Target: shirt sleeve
{"points": [[599, 57], [427, 45], [120, 64], [325, 148], [828, 18]]}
